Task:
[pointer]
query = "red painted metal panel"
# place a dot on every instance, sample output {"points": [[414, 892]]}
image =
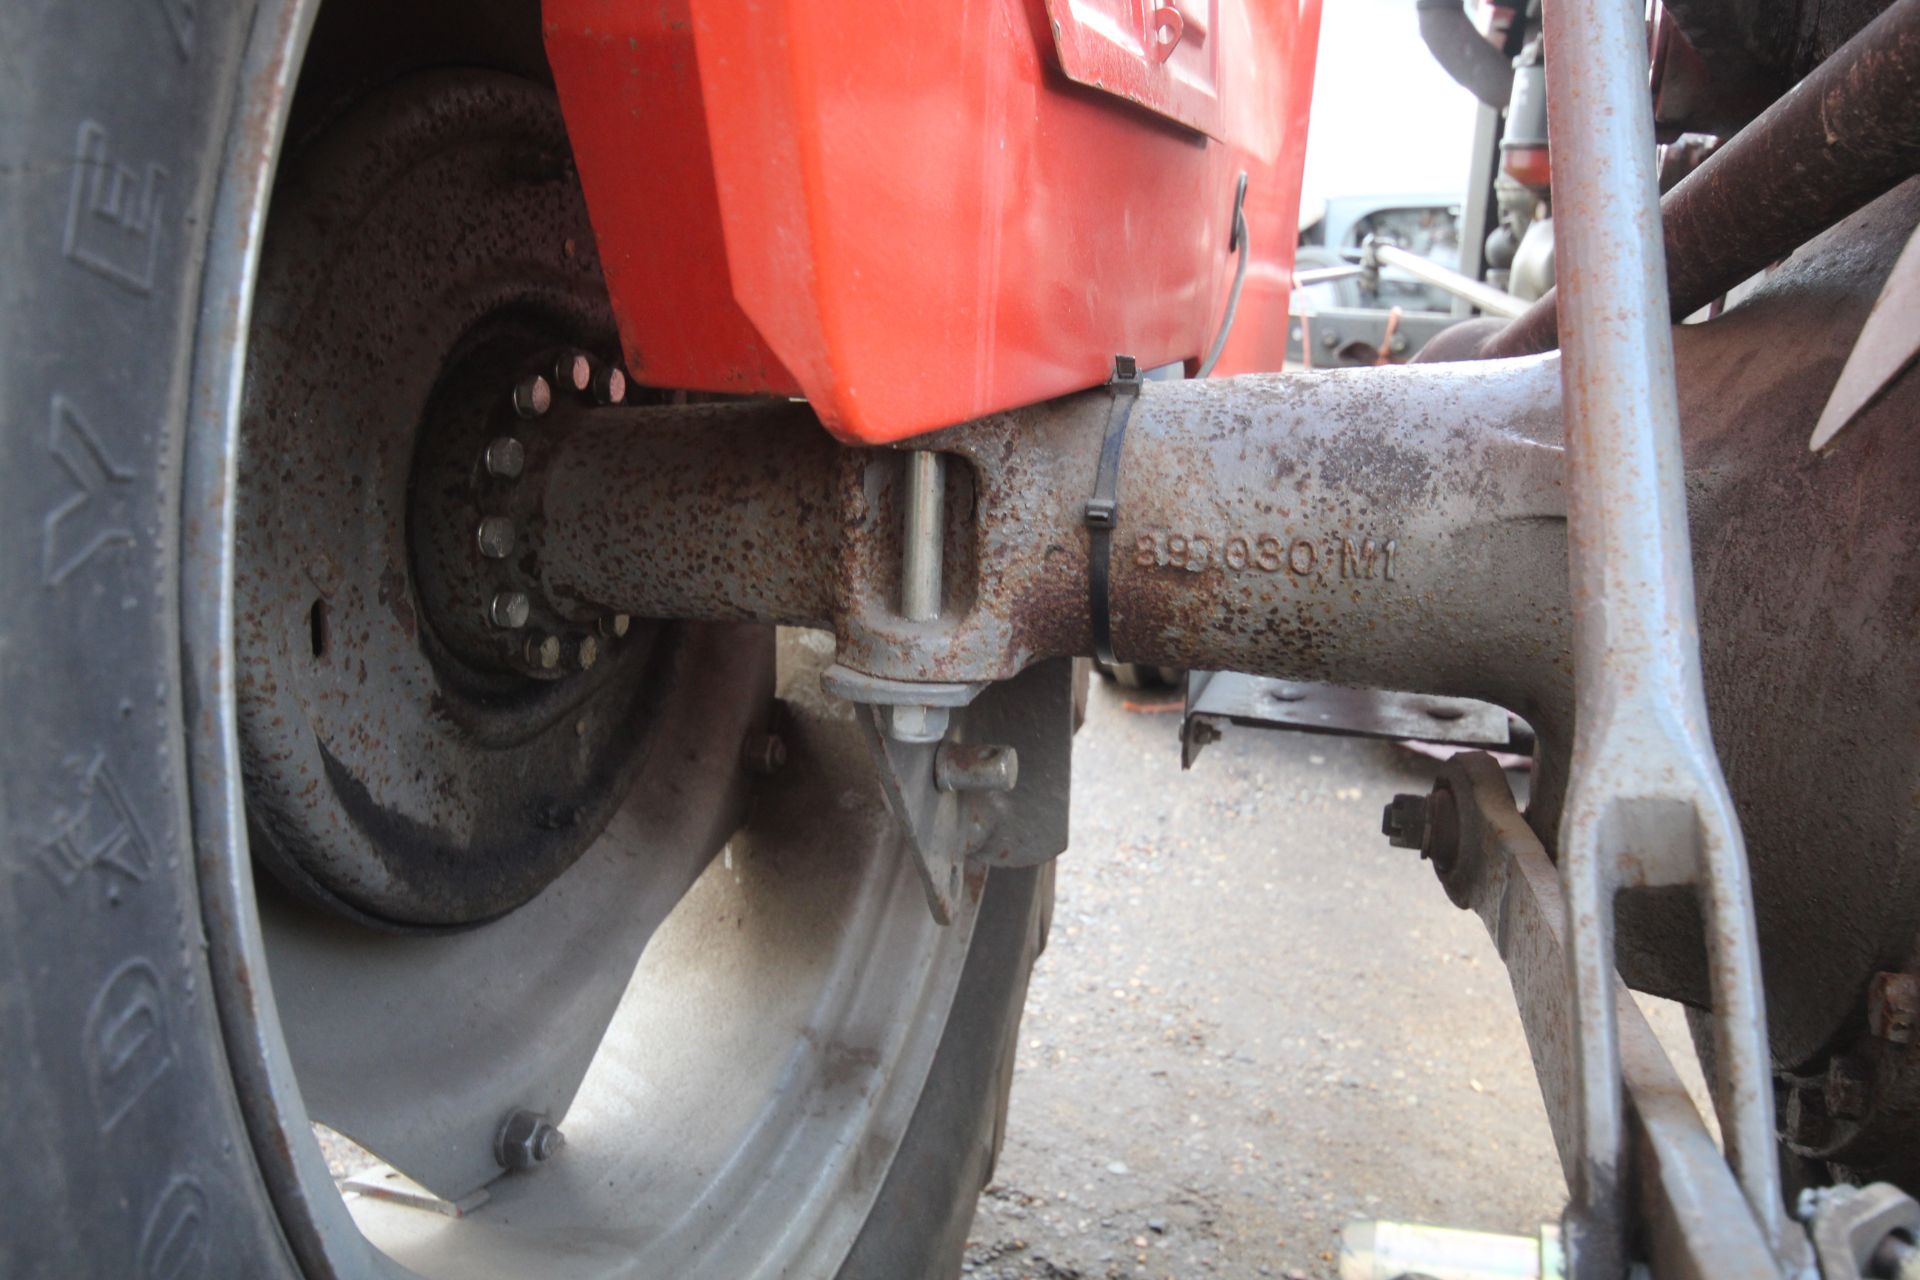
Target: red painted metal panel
{"points": [[1158, 53], [924, 219]]}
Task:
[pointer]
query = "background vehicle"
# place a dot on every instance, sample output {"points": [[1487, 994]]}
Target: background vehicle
{"points": [[550, 544]]}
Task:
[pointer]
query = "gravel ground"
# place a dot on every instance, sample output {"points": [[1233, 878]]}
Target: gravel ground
{"points": [[1255, 1022]]}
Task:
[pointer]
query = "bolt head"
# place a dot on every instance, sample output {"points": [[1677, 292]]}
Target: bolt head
{"points": [[765, 754], [526, 1139], [609, 385], [616, 625], [505, 458], [508, 610], [573, 370], [495, 537], [543, 652], [532, 397], [1404, 822], [586, 652]]}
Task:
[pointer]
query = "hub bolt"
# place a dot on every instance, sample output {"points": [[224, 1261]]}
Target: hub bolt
{"points": [[543, 652], [508, 610], [506, 458], [616, 625], [609, 385], [533, 397], [526, 1140], [495, 537], [586, 652], [969, 767], [574, 371]]}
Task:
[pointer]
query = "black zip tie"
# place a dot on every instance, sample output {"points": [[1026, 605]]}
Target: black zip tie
{"points": [[1103, 508]]}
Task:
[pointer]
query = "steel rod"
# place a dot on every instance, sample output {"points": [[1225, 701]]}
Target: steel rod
{"points": [[926, 522], [1493, 301], [1647, 804]]}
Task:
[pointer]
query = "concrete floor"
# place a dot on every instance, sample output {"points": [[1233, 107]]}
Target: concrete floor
{"points": [[1255, 1021]]}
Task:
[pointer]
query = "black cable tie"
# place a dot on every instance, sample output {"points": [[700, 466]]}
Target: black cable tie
{"points": [[1103, 508]]}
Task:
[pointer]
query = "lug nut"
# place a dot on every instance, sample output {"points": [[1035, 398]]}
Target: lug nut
{"points": [[543, 652], [508, 610], [533, 397], [616, 625], [573, 370], [506, 458], [526, 1139], [586, 652], [495, 537], [764, 754], [960, 766], [609, 384]]}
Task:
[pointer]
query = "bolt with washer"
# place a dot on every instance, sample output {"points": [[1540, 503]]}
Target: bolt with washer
{"points": [[526, 1140]]}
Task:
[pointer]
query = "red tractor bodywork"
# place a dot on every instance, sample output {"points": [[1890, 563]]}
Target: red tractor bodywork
{"points": [[917, 213]]}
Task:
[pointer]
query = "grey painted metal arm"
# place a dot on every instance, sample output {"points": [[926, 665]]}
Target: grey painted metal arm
{"points": [[1484, 296], [1647, 803]]}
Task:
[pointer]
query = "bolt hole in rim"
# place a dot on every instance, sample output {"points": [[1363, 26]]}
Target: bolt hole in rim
{"points": [[662, 1173]]}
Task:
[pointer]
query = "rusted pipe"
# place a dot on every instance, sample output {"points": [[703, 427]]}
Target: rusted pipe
{"points": [[1847, 134]]}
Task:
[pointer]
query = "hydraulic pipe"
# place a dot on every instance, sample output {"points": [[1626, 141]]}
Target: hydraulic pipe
{"points": [[1465, 54]]}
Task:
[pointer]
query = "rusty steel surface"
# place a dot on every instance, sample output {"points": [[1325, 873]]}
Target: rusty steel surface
{"points": [[1697, 1224], [1804, 564], [1845, 135]]}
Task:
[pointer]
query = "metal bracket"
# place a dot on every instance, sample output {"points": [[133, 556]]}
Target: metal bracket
{"points": [[1215, 698], [1103, 508]]}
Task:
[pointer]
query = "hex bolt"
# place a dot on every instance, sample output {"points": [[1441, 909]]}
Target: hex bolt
{"points": [[764, 754], [526, 1140], [913, 723], [961, 766], [1893, 1007], [585, 651], [609, 384], [495, 537], [505, 458], [616, 625], [542, 651], [1848, 1088], [532, 397], [573, 370], [508, 610], [1404, 822]]}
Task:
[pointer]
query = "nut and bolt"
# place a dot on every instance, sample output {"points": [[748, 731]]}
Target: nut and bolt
{"points": [[959, 766], [764, 754], [495, 537], [1893, 1007], [508, 610], [1404, 822], [1848, 1088], [609, 385], [505, 458], [542, 651], [616, 625], [526, 1139], [532, 397], [585, 651], [912, 722], [573, 370]]}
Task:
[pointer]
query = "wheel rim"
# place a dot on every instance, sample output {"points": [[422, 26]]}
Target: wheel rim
{"points": [[742, 1114]]}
